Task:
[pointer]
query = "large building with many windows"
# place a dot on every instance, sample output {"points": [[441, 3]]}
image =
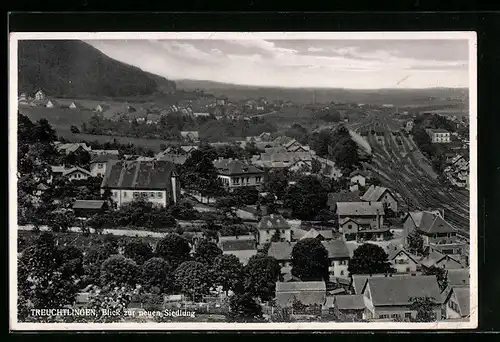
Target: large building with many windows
{"points": [[235, 173], [155, 181], [439, 136]]}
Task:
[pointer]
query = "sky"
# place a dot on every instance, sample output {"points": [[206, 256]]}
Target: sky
{"points": [[351, 64]]}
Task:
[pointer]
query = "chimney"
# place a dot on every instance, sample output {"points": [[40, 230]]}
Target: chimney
{"points": [[369, 202], [378, 220]]}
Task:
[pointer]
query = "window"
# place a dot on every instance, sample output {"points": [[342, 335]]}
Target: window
{"points": [[159, 194], [124, 194], [407, 314], [407, 269], [395, 316], [248, 179], [283, 231], [342, 272], [258, 179], [100, 166], [236, 180], [349, 226], [151, 194], [115, 194], [383, 316]]}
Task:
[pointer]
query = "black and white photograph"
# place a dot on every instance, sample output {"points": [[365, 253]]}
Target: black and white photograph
{"points": [[243, 181]]}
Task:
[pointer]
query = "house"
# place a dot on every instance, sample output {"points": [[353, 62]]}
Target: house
{"points": [[381, 194], [438, 234], [361, 221], [358, 177], [75, 105], [235, 173], [273, 225], [436, 259], [190, 136], [201, 114], [71, 173], [40, 95], [177, 159], [321, 235], [105, 152], [68, 148], [52, 104], [346, 307], [338, 258], [101, 108], [87, 208], [309, 293], [243, 249], [458, 303], [458, 277], [98, 164], [402, 261], [152, 118], [390, 297], [409, 126], [280, 158], [221, 100], [22, 98], [265, 136], [156, 181], [439, 136], [343, 196]]}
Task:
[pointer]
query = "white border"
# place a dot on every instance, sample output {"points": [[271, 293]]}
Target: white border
{"points": [[13, 92]]}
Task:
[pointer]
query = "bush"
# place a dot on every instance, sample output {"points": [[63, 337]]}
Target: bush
{"points": [[119, 271]]}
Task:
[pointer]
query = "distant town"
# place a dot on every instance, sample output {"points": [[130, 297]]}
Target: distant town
{"points": [[349, 218]]}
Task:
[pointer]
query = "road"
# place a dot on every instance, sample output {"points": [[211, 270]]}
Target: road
{"points": [[404, 168]]}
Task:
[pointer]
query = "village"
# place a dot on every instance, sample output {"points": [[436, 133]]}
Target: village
{"points": [[266, 227]]}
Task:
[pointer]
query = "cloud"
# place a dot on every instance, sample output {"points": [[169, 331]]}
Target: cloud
{"points": [[300, 63]]}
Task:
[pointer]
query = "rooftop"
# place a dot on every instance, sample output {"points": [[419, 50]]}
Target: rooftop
{"points": [[398, 290], [235, 167], [431, 222], [345, 196], [88, 204], [238, 245], [462, 295], [360, 208], [374, 193], [273, 221], [138, 175], [349, 302]]}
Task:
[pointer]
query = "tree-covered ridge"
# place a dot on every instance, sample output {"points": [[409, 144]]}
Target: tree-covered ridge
{"points": [[75, 69]]}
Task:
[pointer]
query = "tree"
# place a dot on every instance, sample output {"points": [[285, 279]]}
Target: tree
{"points": [[174, 249], [277, 182], [74, 129], [244, 309], [246, 196], [119, 271], [206, 252], [424, 306], [61, 222], [310, 260], [227, 272], [260, 276], [44, 280], [441, 276], [415, 243], [157, 276], [138, 251], [306, 198], [369, 259], [276, 236], [316, 166], [111, 299], [193, 279]]}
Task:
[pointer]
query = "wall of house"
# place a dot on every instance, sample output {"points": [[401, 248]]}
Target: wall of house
{"points": [[359, 180], [365, 220], [384, 312], [159, 197], [338, 268], [390, 201], [77, 175], [98, 169], [452, 308], [265, 235], [243, 256], [408, 228], [403, 264], [241, 180]]}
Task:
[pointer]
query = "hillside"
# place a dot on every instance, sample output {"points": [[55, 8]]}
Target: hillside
{"points": [[398, 97], [78, 70]]}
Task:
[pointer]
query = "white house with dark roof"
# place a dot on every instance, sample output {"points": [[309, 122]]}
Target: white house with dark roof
{"points": [[235, 173], [155, 181], [40, 95], [273, 224], [346, 307], [99, 162], [402, 261], [69, 172], [438, 234], [309, 293], [68, 148], [191, 136], [361, 221], [381, 194], [458, 303], [86, 208], [439, 136], [389, 297], [439, 260]]}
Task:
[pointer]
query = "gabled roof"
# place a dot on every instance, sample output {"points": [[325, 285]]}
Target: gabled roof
{"points": [[459, 277], [337, 249], [345, 196], [360, 208], [358, 282], [238, 245], [375, 193], [281, 250], [436, 257], [398, 290], [349, 302], [393, 253], [88, 204], [105, 152], [313, 233], [360, 173], [185, 134], [432, 224], [72, 147], [301, 286], [138, 175], [178, 159], [235, 167], [273, 221], [76, 169]]}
